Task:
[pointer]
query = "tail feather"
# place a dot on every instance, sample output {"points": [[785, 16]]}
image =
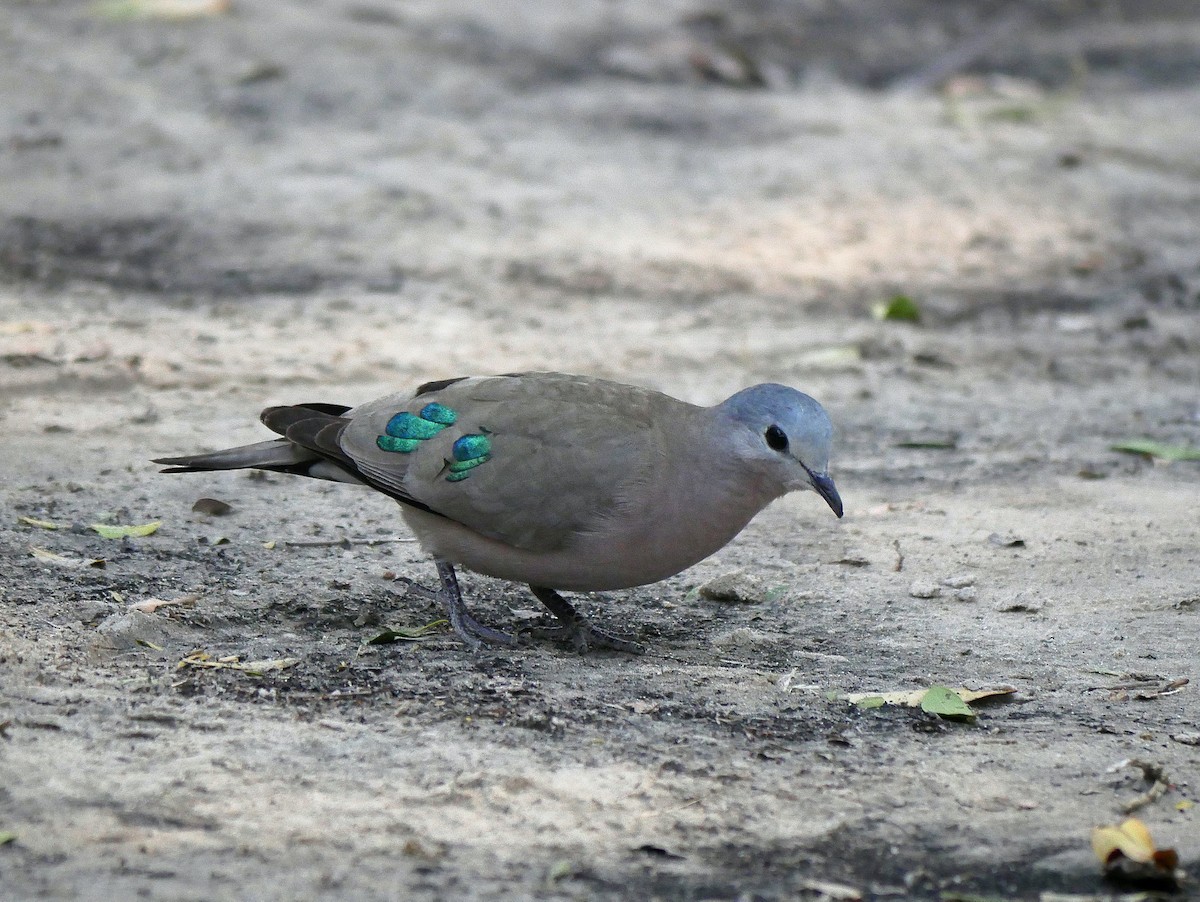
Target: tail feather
{"points": [[280, 419], [310, 446], [282, 455], [276, 454]]}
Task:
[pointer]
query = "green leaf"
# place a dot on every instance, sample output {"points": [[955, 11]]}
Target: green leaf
{"points": [[413, 634], [560, 870], [900, 307], [944, 702], [7, 836], [871, 701], [1022, 115], [108, 531], [1151, 448]]}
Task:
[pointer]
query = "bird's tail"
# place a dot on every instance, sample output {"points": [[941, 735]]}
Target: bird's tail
{"points": [[276, 454], [281, 455]]}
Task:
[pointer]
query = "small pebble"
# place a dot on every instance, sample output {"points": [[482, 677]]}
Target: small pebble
{"points": [[741, 637], [959, 581], [1020, 603], [737, 586], [924, 589]]}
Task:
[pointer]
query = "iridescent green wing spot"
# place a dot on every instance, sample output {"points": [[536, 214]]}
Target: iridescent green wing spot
{"points": [[469, 452], [405, 432]]}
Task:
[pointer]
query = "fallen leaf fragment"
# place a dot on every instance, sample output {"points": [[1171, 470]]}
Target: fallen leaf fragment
{"points": [[113, 531], [7, 836], [40, 524], [1150, 448], [899, 307], [560, 870], [408, 634], [23, 327], [1170, 687], [1128, 851], [837, 356], [945, 702], [231, 662], [164, 10], [941, 700], [61, 560], [150, 605], [828, 890]]}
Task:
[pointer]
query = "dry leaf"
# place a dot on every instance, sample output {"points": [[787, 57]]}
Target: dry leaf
{"points": [[835, 891], [60, 560], [150, 605], [1129, 850], [913, 699], [940, 700], [231, 662], [40, 524], [408, 634]]}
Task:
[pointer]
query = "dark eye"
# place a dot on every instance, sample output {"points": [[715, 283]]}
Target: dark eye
{"points": [[777, 439]]}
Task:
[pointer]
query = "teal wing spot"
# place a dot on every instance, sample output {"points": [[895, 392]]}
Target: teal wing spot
{"points": [[470, 447], [438, 413], [406, 431], [460, 469], [403, 445], [469, 452], [405, 425]]}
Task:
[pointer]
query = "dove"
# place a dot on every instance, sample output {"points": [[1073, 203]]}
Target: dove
{"points": [[565, 483]]}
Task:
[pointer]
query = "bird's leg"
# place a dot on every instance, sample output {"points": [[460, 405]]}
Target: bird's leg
{"points": [[469, 630], [574, 626]]}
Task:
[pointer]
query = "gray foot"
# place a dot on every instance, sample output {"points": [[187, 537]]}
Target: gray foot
{"points": [[574, 627], [472, 633]]}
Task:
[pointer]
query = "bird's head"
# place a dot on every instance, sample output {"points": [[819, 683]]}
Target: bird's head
{"points": [[786, 435]]}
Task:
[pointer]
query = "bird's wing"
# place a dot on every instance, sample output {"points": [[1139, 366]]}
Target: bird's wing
{"points": [[532, 460]]}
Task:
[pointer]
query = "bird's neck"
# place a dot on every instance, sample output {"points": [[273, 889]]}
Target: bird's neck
{"points": [[721, 486]]}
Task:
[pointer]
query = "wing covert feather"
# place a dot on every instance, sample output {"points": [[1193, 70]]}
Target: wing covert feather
{"points": [[567, 454]]}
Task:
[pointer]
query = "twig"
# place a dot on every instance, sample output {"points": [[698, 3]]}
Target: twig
{"points": [[344, 543]]}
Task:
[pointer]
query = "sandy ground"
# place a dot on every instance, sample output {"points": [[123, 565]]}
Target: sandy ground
{"points": [[334, 200]]}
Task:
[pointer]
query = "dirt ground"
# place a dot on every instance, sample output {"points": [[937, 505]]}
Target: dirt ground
{"points": [[334, 200]]}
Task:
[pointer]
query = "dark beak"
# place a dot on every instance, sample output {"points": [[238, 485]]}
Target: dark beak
{"points": [[827, 490]]}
